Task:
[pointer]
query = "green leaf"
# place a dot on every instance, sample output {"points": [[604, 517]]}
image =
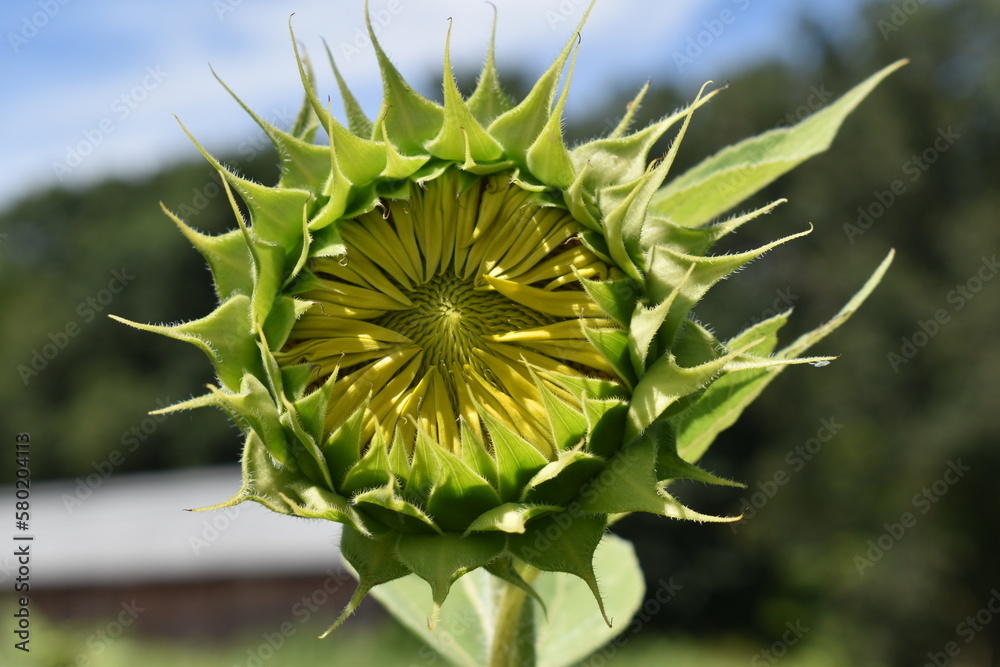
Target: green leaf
{"points": [[308, 456], [461, 135], [326, 242], [695, 345], [317, 503], [306, 122], [622, 159], [723, 402], [374, 563], [517, 460], [424, 470], [606, 420], [564, 635], [645, 327], [342, 448], [613, 346], [563, 542], [399, 462], [623, 225], [357, 121], [488, 99], [670, 466], [510, 517], [409, 120], [560, 482], [569, 427], [734, 173], [584, 386], [227, 256], [617, 298], [360, 160], [371, 471], [580, 202], [459, 495], [279, 322], [476, 457], [548, 159], [465, 621], [311, 409], [296, 379], [270, 207], [629, 484], [385, 504], [664, 384], [518, 128], [697, 240], [441, 559], [692, 276], [224, 335], [303, 164]]}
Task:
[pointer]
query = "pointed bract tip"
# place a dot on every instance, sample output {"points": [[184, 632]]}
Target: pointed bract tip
{"points": [[432, 621]]}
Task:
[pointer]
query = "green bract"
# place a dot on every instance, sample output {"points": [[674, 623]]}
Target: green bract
{"points": [[469, 343]]}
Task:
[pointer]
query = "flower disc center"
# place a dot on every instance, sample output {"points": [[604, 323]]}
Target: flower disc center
{"points": [[450, 318], [442, 308]]}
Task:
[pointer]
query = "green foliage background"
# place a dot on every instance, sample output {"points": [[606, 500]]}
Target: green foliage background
{"points": [[795, 558]]}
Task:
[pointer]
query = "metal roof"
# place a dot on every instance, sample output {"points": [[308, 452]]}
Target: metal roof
{"points": [[133, 529]]}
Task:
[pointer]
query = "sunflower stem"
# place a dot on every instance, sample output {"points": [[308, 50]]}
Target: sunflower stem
{"points": [[514, 636]]}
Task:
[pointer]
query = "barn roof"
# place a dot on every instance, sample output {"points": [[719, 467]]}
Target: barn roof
{"points": [[133, 529]]}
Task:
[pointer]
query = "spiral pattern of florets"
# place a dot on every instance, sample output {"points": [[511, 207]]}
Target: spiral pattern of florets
{"points": [[451, 319]]}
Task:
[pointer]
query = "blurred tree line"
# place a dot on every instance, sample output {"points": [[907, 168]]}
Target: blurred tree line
{"points": [[871, 507]]}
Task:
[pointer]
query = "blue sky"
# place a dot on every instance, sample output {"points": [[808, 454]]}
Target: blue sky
{"points": [[92, 86]]}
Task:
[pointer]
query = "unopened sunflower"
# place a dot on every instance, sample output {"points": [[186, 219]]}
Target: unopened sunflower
{"points": [[471, 344]]}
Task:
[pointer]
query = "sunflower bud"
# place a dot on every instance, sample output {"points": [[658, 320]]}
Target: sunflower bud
{"points": [[472, 345]]}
